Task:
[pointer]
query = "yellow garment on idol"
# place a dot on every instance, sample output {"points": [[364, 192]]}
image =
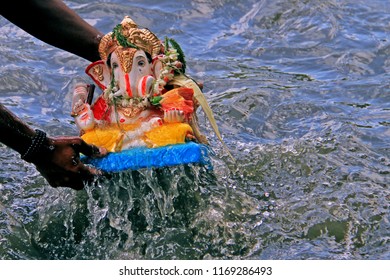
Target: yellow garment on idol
{"points": [[169, 133], [112, 137]]}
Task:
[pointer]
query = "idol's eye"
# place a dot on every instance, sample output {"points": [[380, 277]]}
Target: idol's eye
{"points": [[114, 65], [141, 63]]}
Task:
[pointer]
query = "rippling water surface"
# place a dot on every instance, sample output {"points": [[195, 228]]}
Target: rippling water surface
{"points": [[300, 90]]}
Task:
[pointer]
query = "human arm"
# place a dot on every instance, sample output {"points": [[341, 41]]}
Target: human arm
{"points": [[57, 159], [56, 24]]}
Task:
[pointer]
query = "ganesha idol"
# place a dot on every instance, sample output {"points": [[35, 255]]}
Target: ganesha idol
{"points": [[146, 101]]}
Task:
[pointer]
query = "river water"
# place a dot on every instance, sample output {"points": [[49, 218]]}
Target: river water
{"points": [[301, 93]]}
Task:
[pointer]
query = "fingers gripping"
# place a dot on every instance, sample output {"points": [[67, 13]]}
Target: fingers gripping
{"points": [[89, 150]]}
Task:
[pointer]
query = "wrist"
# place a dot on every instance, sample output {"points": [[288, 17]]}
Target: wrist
{"points": [[39, 144]]}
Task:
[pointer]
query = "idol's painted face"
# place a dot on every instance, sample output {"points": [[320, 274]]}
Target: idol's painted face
{"points": [[128, 67]]}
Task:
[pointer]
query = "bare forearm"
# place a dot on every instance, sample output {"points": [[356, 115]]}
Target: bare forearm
{"points": [[14, 132], [56, 24]]}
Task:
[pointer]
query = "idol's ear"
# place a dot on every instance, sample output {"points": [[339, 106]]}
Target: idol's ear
{"points": [[100, 73]]}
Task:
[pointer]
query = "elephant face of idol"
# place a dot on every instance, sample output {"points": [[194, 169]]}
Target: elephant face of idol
{"points": [[131, 72], [127, 71]]}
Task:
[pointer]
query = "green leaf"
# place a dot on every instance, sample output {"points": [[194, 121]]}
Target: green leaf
{"points": [[155, 100], [122, 40], [179, 50]]}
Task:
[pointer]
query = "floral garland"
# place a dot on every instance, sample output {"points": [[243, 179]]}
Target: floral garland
{"points": [[124, 101], [173, 62]]}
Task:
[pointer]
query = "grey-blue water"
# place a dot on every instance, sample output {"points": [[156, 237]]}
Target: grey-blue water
{"points": [[301, 93]]}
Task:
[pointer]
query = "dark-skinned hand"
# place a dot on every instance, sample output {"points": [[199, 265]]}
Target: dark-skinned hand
{"points": [[61, 166]]}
